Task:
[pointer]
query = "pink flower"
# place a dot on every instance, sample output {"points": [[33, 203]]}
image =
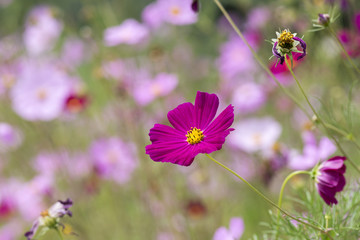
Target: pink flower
{"points": [[10, 137], [235, 59], [147, 90], [312, 152], [195, 130], [248, 97], [256, 134], [40, 92], [42, 30], [177, 12], [329, 178], [114, 159], [129, 32], [152, 15], [235, 231]]}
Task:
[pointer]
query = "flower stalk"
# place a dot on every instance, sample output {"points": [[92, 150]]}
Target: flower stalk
{"points": [[267, 199], [320, 119]]}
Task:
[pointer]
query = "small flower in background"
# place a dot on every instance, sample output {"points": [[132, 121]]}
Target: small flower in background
{"points": [[114, 159], [195, 131], [50, 218], [42, 30], [248, 97], [256, 134], [10, 230], [10, 137], [146, 91], [312, 152], [40, 92], [177, 12], [329, 178], [235, 231], [235, 59], [129, 32], [196, 209], [74, 52], [286, 43], [351, 39]]}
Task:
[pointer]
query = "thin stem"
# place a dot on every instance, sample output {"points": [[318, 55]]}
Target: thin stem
{"points": [[267, 199], [256, 56], [59, 234], [282, 193], [320, 120], [343, 133], [343, 49], [286, 181]]}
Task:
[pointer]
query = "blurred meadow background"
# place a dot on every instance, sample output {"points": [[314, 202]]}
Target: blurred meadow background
{"points": [[77, 101]]}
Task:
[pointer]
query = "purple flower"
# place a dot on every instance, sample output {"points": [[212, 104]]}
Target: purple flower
{"points": [[114, 159], [248, 97], [235, 231], [129, 32], [50, 218], [42, 30], [10, 137], [148, 90], [287, 43], [235, 59], [195, 131], [329, 178], [40, 92], [312, 152], [177, 12]]}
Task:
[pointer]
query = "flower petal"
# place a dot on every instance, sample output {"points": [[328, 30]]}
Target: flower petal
{"points": [[164, 133], [182, 117], [206, 106], [179, 153], [327, 194], [221, 123], [329, 178]]}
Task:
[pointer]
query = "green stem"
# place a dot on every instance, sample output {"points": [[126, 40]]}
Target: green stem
{"points": [[333, 34], [59, 234], [286, 181], [256, 56], [282, 193], [320, 120], [344, 134], [267, 199]]}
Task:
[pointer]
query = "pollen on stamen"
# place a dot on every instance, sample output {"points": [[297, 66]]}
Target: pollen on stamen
{"points": [[44, 213], [194, 136], [286, 39]]}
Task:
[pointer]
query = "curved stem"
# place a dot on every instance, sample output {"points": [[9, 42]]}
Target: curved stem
{"points": [[256, 56], [59, 234], [343, 49], [286, 181], [320, 120], [282, 193], [267, 199]]}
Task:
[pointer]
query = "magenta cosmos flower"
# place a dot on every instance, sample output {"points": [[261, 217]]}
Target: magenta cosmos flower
{"points": [[329, 178], [195, 131]]}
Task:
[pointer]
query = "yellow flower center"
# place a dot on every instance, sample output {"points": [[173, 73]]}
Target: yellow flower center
{"points": [[44, 213], [194, 136], [175, 10], [286, 39]]}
